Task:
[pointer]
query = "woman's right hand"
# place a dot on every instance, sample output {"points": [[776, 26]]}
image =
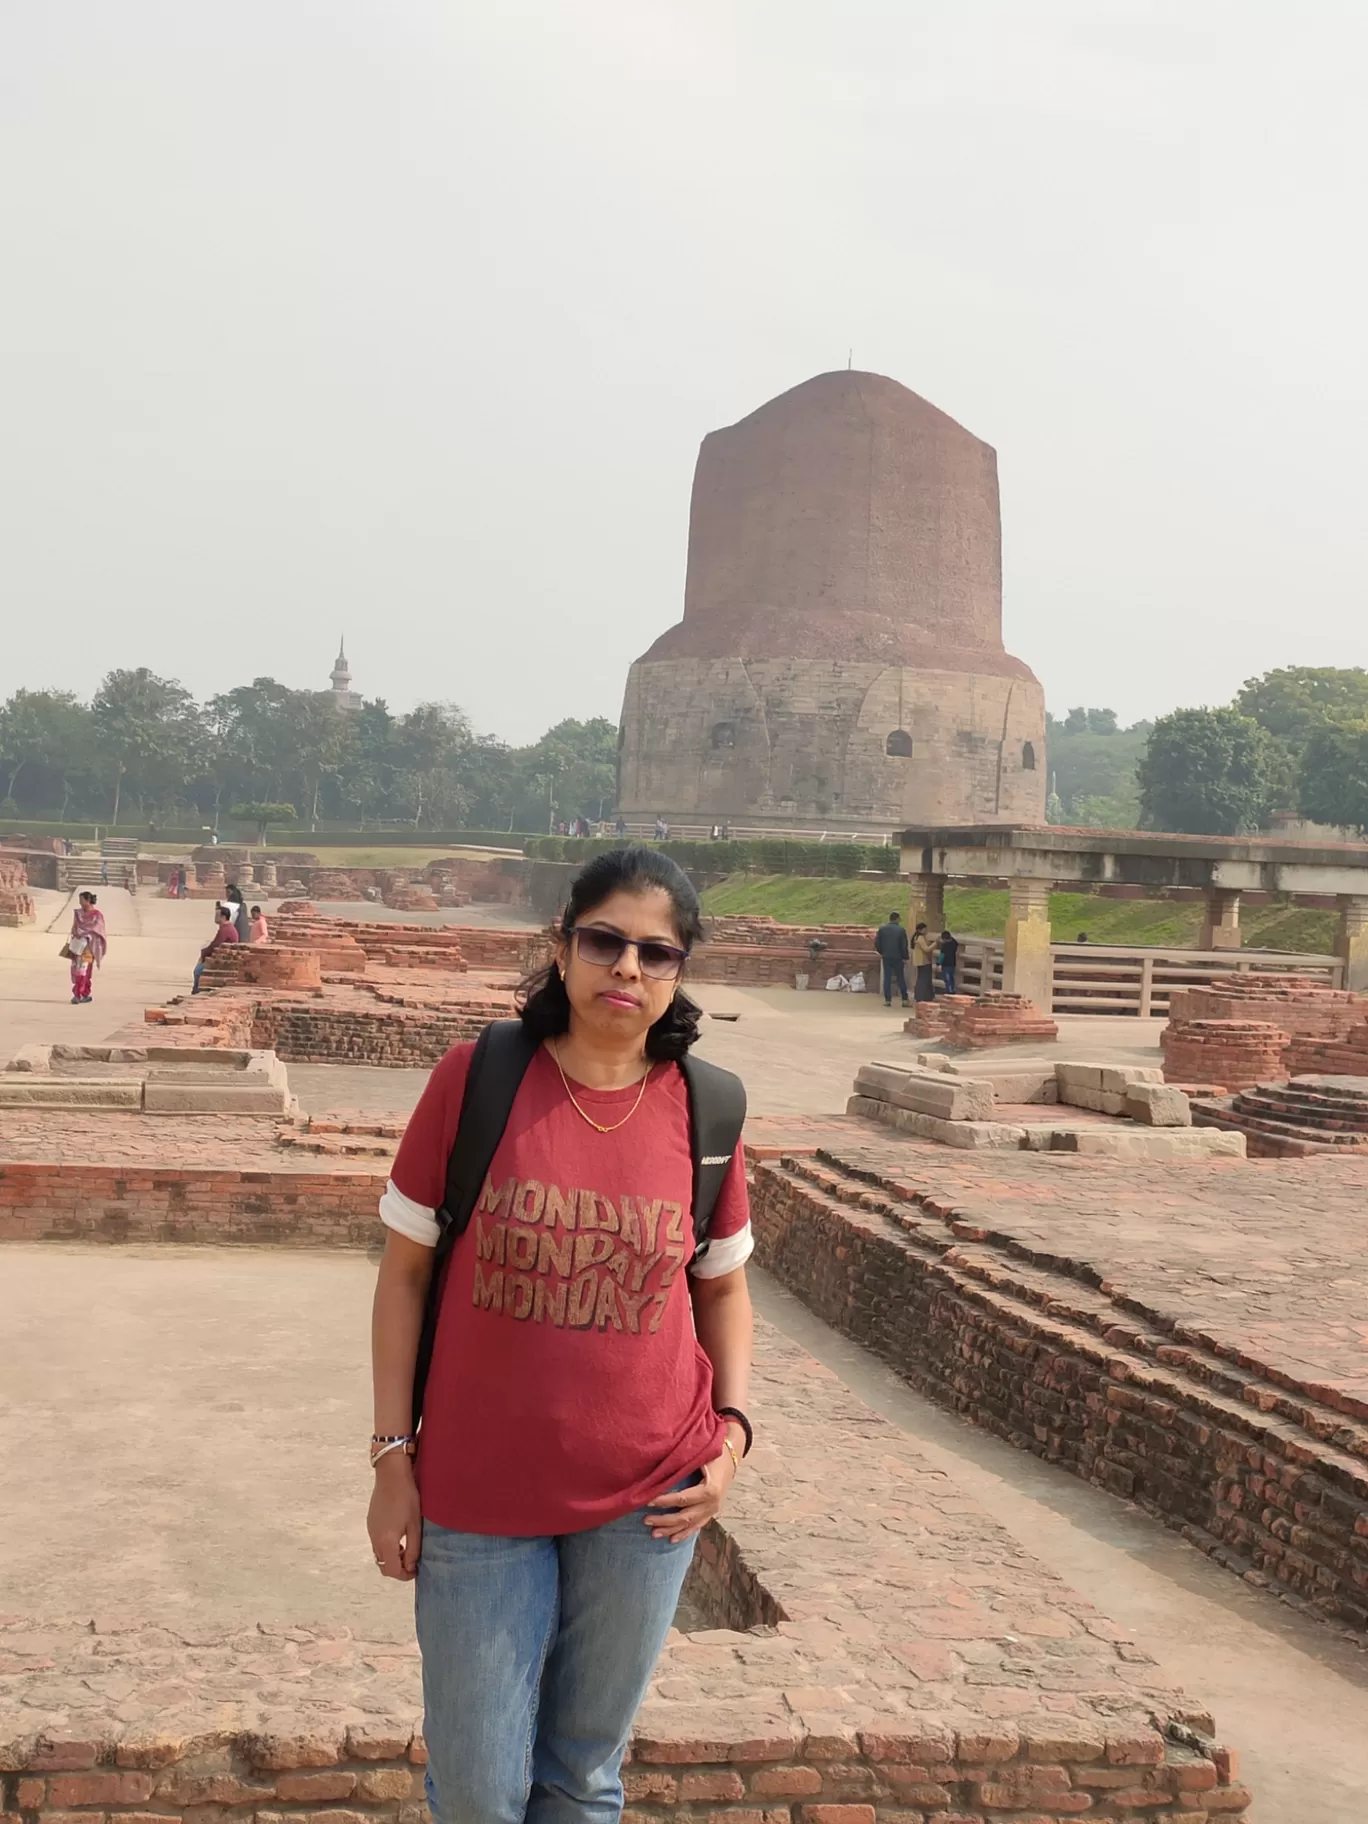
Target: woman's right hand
{"points": [[395, 1519]]}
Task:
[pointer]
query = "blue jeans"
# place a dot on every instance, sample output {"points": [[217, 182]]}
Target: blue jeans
{"points": [[536, 1656], [948, 977], [894, 974]]}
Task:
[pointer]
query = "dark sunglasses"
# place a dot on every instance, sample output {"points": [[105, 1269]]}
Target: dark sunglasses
{"points": [[604, 948]]}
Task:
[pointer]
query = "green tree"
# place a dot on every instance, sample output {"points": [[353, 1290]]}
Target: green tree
{"points": [[1297, 700], [43, 731], [580, 761], [1333, 784], [150, 734], [263, 814], [1076, 722], [1210, 772]]}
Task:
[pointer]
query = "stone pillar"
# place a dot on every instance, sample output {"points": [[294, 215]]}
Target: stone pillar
{"points": [[266, 873], [1027, 966], [1351, 946], [927, 903], [1221, 920]]}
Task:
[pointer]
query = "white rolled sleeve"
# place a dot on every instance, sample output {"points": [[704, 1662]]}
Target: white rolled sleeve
{"points": [[723, 1254], [406, 1217]]}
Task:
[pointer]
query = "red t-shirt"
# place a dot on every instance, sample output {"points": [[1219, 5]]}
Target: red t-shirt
{"points": [[567, 1385]]}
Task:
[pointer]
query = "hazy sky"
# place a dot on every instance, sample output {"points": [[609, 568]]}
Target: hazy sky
{"points": [[405, 319]]}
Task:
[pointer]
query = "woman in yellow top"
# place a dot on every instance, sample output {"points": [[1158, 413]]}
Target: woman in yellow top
{"points": [[923, 960]]}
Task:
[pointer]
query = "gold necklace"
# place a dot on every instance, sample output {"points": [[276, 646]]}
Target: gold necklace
{"points": [[598, 1125]]}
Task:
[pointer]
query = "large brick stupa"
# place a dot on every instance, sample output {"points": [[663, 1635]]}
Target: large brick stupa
{"points": [[840, 661]]}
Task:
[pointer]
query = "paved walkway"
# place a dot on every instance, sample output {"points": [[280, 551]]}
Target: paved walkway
{"points": [[180, 1445]]}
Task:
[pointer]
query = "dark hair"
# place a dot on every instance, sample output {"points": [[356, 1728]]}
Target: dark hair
{"points": [[256, 911], [893, 918], [920, 927], [544, 1005], [222, 911], [87, 895]]}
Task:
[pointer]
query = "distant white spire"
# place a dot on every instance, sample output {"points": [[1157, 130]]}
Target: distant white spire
{"points": [[341, 680]]}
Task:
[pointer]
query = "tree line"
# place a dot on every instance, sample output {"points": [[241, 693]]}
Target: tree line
{"points": [[1295, 739], [144, 751]]}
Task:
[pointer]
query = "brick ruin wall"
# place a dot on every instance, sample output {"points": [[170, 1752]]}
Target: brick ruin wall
{"points": [[153, 1203], [17, 906], [1295, 1006], [1246, 1471]]}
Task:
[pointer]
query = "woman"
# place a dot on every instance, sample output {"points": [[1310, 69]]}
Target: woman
{"points": [[923, 958], [86, 947], [584, 1410]]}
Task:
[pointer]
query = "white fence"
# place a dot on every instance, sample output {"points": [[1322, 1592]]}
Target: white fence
{"points": [[1111, 978]]}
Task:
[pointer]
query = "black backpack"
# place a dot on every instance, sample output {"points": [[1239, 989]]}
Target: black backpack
{"points": [[503, 1051]]}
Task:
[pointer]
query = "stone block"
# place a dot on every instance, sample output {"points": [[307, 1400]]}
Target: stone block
{"points": [[1121, 1076], [927, 1092], [969, 1135], [1101, 1101], [167, 1096], [21, 1091], [1148, 1143], [1024, 1083], [1078, 1076], [31, 1057], [1158, 1105]]}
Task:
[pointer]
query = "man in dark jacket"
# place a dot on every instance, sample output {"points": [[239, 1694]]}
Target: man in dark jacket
{"points": [[891, 943]]}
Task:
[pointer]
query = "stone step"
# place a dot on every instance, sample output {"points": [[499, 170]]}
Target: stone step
{"points": [[32, 1090], [1329, 1121], [1026, 1293]]}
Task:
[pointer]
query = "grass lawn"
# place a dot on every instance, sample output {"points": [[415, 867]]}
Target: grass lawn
{"points": [[976, 912]]}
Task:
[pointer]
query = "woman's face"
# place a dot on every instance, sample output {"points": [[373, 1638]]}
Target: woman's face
{"points": [[617, 1000]]}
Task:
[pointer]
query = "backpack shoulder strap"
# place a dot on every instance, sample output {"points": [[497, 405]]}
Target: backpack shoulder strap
{"points": [[501, 1057], [717, 1113], [503, 1053]]}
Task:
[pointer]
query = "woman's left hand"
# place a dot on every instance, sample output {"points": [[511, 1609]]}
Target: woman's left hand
{"points": [[684, 1514]]}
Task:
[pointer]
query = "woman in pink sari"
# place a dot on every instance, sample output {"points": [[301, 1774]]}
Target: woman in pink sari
{"points": [[86, 947]]}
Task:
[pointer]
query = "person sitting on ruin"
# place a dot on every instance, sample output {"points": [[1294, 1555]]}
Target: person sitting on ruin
{"points": [[949, 961], [924, 960], [258, 932], [225, 932], [582, 1418], [232, 898], [890, 941]]}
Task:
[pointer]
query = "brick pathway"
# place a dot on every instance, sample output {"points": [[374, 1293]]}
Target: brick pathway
{"points": [[914, 1662]]}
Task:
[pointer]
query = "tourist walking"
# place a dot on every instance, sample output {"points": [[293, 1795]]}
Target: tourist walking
{"points": [[588, 1334], [258, 931], [949, 961], [225, 932], [85, 947], [923, 958], [890, 940]]}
